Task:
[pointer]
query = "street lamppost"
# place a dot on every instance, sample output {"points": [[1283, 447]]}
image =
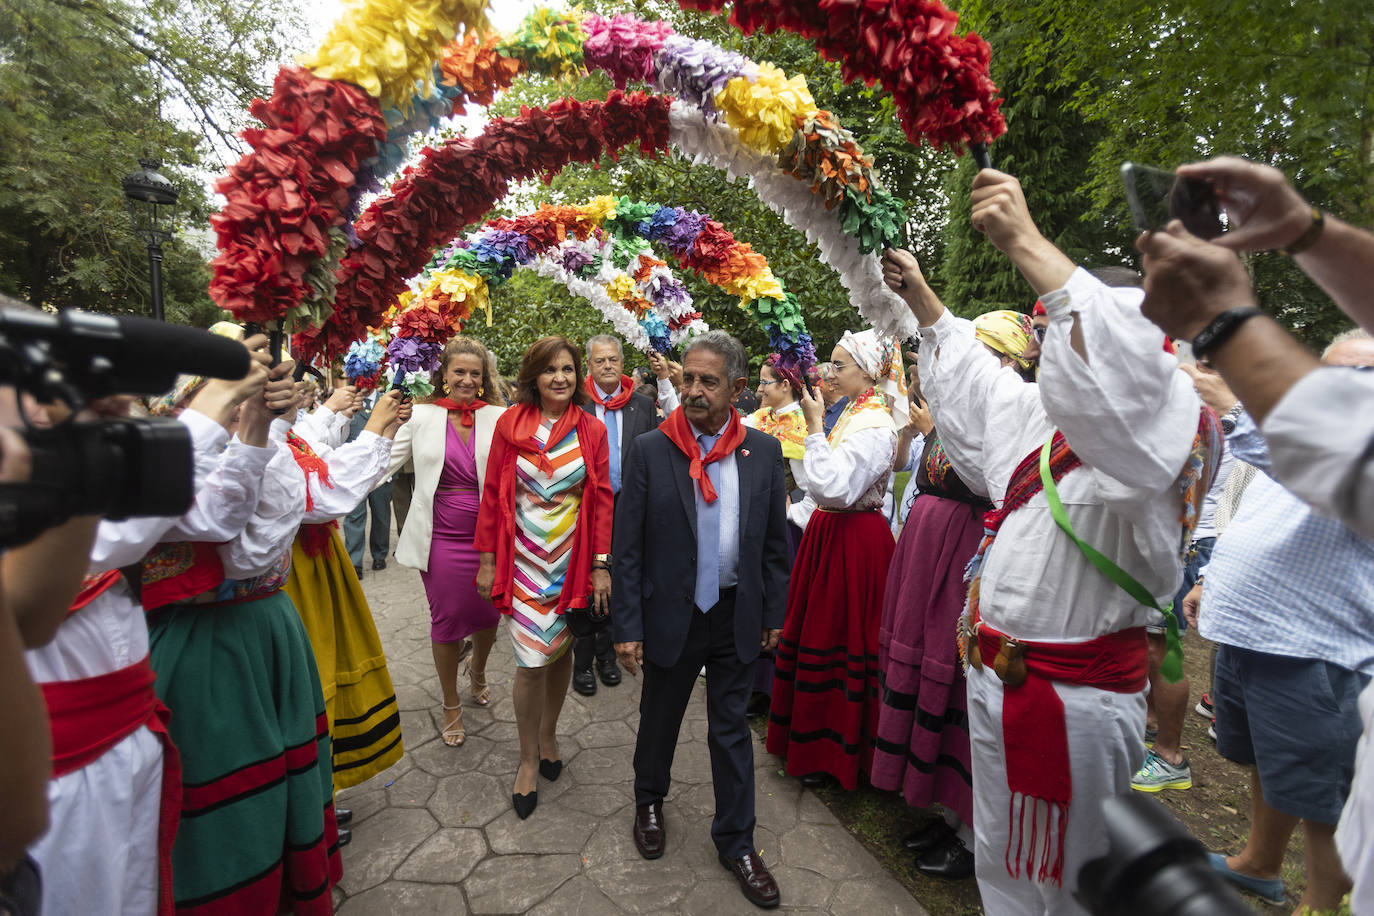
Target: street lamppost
{"points": [[152, 202]]}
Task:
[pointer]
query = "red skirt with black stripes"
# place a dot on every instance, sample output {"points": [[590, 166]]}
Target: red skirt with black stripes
{"points": [[824, 716]]}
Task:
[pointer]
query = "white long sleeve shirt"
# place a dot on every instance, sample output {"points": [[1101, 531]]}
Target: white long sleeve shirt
{"points": [[355, 469], [853, 475], [1127, 413]]}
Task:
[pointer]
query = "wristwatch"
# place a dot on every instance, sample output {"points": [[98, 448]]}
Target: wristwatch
{"points": [[1222, 327]]}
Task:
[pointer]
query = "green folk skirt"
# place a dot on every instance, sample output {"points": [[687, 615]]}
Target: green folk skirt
{"points": [[257, 831]]}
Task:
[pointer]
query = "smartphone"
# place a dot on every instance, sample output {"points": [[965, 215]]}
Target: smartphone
{"points": [[1156, 197]]}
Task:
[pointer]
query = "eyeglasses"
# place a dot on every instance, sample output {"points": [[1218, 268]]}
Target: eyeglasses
{"points": [[1039, 333], [765, 382], [839, 366]]}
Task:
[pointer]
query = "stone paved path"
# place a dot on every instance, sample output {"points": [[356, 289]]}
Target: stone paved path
{"points": [[436, 833]]}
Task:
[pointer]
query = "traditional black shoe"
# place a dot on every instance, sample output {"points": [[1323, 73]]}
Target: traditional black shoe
{"points": [[379, 564], [550, 769], [524, 804], [933, 834], [359, 571], [951, 861], [609, 671], [759, 704], [345, 837], [343, 816], [815, 780], [584, 682], [648, 831], [755, 880]]}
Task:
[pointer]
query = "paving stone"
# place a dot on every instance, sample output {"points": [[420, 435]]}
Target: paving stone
{"points": [[503, 760], [418, 728], [410, 697], [397, 898], [874, 897], [606, 766], [552, 828], [776, 805], [799, 888], [380, 844], [411, 790], [633, 883], [811, 810], [515, 884], [469, 800], [364, 801], [579, 897], [600, 801], [438, 759], [717, 897], [606, 734], [500, 732], [828, 850], [447, 857]]}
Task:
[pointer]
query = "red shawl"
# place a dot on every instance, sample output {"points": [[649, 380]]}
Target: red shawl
{"points": [[621, 398], [495, 532], [680, 430]]}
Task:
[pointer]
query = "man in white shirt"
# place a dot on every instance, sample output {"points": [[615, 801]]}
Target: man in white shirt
{"points": [[1066, 643]]}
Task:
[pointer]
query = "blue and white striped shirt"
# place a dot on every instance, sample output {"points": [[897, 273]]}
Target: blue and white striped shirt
{"points": [[1285, 580]]}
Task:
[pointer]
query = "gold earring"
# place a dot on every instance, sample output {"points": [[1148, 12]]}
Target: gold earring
{"points": [[481, 390]]}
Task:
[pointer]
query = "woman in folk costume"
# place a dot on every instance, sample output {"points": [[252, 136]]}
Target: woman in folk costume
{"points": [[544, 535], [359, 698], [235, 667], [825, 693], [450, 440], [923, 742], [116, 789]]}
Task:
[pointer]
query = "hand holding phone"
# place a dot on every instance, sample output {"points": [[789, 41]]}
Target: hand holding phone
{"points": [[1156, 197]]}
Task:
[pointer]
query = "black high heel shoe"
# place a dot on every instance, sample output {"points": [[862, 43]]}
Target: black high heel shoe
{"points": [[524, 804], [550, 769]]}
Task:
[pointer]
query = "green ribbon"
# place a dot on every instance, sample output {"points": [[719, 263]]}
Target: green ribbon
{"points": [[1172, 666]]}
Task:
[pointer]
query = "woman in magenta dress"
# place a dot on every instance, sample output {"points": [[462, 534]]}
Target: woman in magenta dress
{"points": [[449, 440]]}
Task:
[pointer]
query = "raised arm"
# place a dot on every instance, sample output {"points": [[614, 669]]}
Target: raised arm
{"points": [[1109, 386]]}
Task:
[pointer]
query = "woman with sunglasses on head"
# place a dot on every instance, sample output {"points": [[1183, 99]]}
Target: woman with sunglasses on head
{"points": [[449, 441], [824, 712]]}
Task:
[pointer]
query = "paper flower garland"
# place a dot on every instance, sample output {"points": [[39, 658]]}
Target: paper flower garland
{"points": [[938, 78], [364, 363]]}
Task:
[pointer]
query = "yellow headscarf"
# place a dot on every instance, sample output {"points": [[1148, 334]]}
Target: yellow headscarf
{"points": [[1007, 332]]}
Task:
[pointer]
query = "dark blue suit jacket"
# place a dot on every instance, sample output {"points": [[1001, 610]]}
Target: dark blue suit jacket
{"points": [[655, 548]]}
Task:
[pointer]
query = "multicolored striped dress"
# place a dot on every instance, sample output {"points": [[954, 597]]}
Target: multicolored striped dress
{"points": [[546, 523]]}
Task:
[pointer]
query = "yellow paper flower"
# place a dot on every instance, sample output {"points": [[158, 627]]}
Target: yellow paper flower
{"points": [[760, 286], [621, 288], [469, 289], [389, 47], [766, 112], [600, 209]]}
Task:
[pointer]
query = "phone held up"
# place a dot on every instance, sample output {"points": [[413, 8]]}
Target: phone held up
{"points": [[1156, 197]]}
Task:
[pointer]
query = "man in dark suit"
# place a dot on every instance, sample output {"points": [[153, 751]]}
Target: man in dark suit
{"points": [[626, 414], [378, 501], [700, 576]]}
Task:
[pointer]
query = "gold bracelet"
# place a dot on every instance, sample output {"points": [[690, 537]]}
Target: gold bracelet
{"points": [[1309, 236]]}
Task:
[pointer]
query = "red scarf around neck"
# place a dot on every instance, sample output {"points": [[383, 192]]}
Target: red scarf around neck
{"points": [[465, 411], [621, 398], [526, 420], [680, 430], [309, 463]]}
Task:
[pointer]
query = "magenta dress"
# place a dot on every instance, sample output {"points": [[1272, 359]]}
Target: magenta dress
{"points": [[456, 611]]}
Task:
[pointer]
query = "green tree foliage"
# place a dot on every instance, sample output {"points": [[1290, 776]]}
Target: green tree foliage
{"points": [[86, 88], [1167, 82]]}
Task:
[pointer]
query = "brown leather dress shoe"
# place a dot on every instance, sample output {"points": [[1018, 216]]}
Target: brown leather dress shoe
{"points": [[755, 880], [649, 835]]}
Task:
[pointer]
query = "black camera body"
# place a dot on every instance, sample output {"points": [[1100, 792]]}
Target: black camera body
{"points": [[115, 467]]}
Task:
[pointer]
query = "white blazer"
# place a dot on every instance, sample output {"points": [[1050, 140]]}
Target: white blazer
{"points": [[425, 439]]}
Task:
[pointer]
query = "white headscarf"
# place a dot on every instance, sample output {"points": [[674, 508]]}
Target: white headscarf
{"points": [[881, 360]]}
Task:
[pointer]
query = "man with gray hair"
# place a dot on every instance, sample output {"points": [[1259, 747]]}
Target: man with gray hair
{"points": [[626, 414], [700, 577]]}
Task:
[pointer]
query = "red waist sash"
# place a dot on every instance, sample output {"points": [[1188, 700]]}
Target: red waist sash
{"points": [[90, 716], [1034, 732]]}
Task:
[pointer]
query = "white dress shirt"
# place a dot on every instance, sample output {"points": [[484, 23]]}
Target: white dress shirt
{"points": [[355, 469], [1126, 411], [853, 475]]}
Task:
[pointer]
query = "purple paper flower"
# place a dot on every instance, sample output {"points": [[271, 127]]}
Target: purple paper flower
{"points": [[669, 293], [682, 235], [695, 71], [411, 354], [575, 259], [365, 183]]}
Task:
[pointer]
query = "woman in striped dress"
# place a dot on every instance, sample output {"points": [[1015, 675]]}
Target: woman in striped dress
{"points": [[544, 539]]}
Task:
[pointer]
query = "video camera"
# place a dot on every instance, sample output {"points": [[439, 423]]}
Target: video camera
{"points": [[113, 467], [1153, 867]]}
